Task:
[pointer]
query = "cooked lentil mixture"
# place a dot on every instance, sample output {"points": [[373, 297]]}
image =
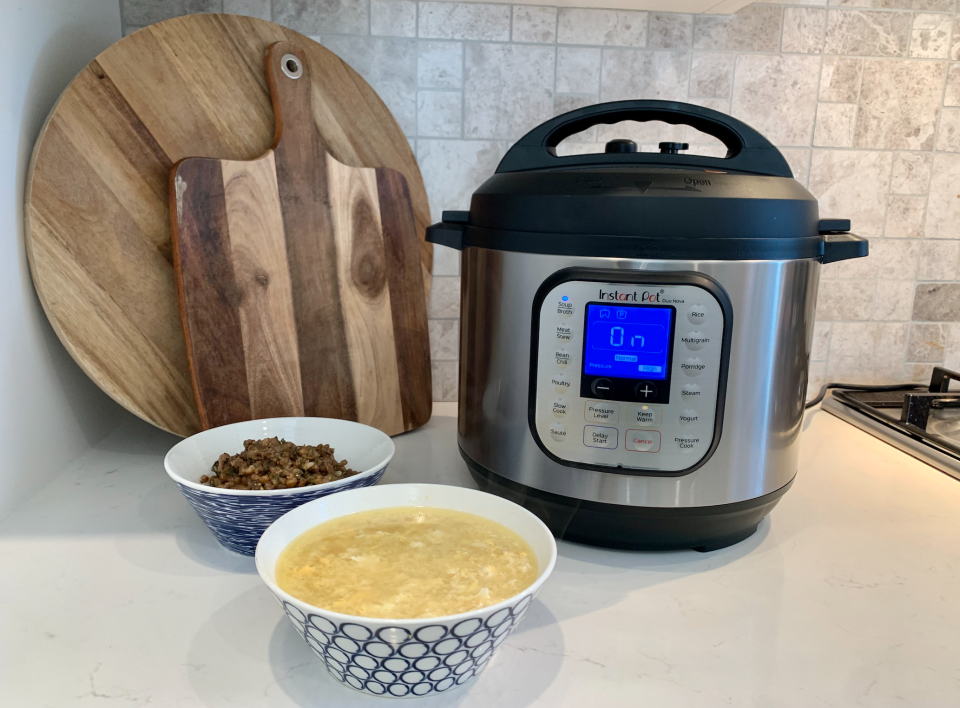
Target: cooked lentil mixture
{"points": [[273, 463]]}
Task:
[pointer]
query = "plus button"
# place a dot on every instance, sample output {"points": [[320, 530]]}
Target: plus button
{"points": [[645, 391]]}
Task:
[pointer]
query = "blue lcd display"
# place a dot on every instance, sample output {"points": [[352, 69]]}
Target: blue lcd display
{"points": [[630, 342]]}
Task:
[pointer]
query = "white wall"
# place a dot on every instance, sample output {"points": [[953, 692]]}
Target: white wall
{"points": [[49, 411]]}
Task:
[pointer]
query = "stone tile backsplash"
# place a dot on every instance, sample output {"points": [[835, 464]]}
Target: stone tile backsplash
{"points": [[861, 96]]}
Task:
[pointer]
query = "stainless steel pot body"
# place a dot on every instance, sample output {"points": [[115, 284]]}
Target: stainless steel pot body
{"points": [[773, 314]]}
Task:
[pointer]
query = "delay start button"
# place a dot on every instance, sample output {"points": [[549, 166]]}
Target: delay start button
{"points": [[597, 436]]}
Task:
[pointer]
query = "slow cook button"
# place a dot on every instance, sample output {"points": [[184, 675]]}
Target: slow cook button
{"points": [[560, 382], [565, 308], [602, 412], [647, 416], [686, 443], [642, 441], [689, 419], [689, 393], [564, 333], [596, 436], [560, 408], [697, 314], [558, 432], [693, 366], [695, 340], [563, 357]]}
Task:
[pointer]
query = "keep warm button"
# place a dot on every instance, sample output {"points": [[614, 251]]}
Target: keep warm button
{"points": [[686, 443], [595, 436]]}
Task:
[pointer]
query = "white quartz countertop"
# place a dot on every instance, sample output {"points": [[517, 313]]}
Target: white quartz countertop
{"points": [[112, 592]]}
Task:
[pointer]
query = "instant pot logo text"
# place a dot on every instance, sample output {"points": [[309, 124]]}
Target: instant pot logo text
{"points": [[645, 296]]}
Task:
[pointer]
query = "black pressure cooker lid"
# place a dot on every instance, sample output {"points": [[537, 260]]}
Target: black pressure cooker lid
{"points": [[630, 204]]}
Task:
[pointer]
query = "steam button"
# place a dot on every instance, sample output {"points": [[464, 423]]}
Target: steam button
{"points": [[697, 314], [690, 393]]}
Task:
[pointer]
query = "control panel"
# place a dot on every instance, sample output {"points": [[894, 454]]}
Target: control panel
{"points": [[629, 374]]}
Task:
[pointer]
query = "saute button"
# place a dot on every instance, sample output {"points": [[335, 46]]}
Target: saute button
{"points": [[645, 391], [560, 383], [690, 392], [689, 418], [565, 308], [697, 314], [560, 408], [695, 340], [564, 333], [596, 436], [647, 416], [686, 443], [642, 441], [558, 432], [562, 356], [602, 412], [693, 366]]}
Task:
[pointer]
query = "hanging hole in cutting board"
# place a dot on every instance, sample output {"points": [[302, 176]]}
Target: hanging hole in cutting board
{"points": [[647, 136], [291, 66]]}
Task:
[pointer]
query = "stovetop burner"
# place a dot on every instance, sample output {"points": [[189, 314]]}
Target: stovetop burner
{"points": [[922, 421]]}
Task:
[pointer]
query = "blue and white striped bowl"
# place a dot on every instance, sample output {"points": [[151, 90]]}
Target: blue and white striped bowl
{"points": [[236, 517]]}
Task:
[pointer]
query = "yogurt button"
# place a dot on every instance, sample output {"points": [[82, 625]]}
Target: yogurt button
{"points": [[559, 407], [697, 314], [689, 418], [694, 340], [689, 393], [693, 366], [560, 382], [558, 432], [565, 308]]}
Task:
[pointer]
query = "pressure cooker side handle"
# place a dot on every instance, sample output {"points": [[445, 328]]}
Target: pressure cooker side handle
{"points": [[747, 150], [843, 246]]}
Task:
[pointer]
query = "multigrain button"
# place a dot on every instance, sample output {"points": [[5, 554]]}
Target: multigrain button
{"points": [[565, 308], [560, 383], [690, 392], [558, 432], [689, 418], [564, 333], [647, 416], [693, 366], [560, 407], [597, 436], [642, 440], [602, 412], [686, 443], [563, 357], [695, 340], [697, 314]]}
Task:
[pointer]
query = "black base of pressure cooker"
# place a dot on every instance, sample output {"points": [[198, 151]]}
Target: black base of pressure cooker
{"points": [[701, 528]]}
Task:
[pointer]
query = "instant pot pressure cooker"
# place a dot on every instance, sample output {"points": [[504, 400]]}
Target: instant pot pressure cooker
{"points": [[636, 329]]}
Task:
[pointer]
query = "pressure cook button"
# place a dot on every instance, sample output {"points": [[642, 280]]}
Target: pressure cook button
{"points": [[695, 340], [562, 356], [686, 443], [647, 416], [693, 366], [560, 382], [565, 308], [597, 436], [558, 432], [564, 333], [645, 391], [642, 441], [560, 408], [689, 418], [690, 392], [602, 388], [697, 314], [602, 412]]}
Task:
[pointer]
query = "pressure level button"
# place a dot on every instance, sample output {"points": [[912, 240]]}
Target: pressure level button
{"points": [[697, 314]]}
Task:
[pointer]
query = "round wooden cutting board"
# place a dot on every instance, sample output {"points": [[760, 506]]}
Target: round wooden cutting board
{"points": [[98, 226]]}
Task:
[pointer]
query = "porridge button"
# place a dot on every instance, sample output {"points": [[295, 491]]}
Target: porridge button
{"points": [[693, 366], [558, 432]]}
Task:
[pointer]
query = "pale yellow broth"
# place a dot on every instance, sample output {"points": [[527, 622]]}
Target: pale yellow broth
{"points": [[406, 563]]}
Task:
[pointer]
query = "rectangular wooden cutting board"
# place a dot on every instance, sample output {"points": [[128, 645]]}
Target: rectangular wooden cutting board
{"points": [[299, 278]]}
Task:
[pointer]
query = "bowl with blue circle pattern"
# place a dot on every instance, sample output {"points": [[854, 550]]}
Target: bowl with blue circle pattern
{"points": [[406, 658], [238, 517]]}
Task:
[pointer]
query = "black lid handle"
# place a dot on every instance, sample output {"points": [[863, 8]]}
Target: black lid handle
{"points": [[747, 150]]}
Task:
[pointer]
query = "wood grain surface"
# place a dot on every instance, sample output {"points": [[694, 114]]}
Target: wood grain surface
{"points": [[98, 225], [283, 268]]}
